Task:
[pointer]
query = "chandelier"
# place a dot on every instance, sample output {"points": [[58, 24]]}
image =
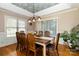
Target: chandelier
{"points": [[34, 18]]}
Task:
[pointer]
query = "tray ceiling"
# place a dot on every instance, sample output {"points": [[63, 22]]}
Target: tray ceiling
{"points": [[34, 7]]}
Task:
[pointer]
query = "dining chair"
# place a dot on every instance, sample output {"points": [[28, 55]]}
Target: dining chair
{"points": [[31, 44], [40, 33], [26, 45], [18, 41], [47, 34], [54, 46], [23, 42]]}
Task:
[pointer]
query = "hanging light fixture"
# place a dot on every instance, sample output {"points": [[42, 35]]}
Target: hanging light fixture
{"points": [[29, 21], [39, 19], [34, 18]]}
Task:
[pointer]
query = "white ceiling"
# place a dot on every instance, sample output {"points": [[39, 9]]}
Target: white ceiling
{"points": [[53, 9], [13, 8], [34, 7]]}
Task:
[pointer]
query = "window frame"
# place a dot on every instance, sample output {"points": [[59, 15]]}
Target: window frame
{"points": [[17, 27], [46, 22]]}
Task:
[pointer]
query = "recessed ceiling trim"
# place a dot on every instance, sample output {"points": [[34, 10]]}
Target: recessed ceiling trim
{"points": [[53, 9], [13, 8], [34, 7]]}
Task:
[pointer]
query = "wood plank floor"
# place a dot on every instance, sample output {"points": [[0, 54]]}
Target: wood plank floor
{"points": [[11, 51]]}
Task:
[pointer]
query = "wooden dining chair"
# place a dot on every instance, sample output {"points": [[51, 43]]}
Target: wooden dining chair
{"points": [[54, 47], [32, 47], [40, 33], [31, 43], [47, 34], [18, 41], [23, 42]]}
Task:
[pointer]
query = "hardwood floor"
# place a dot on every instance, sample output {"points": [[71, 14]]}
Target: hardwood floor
{"points": [[65, 51], [8, 50], [11, 51]]}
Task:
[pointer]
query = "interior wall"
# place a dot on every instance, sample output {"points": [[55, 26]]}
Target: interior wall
{"points": [[1, 22], [30, 28], [66, 20], [4, 41]]}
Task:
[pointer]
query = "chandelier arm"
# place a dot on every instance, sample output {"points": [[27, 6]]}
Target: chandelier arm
{"points": [[34, 18]]}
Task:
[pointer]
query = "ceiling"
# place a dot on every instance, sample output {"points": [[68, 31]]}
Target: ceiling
{"points": [[34, 7], [10, 7]]}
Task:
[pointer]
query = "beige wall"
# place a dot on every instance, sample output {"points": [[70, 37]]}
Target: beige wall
{"points": [[4, 41], [1, 22], [2, 19], [68, 20], [65, 20], [30, 28], [4, 13]]}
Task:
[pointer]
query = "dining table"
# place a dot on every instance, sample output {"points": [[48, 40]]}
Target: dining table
{"points": [[44, 41]]}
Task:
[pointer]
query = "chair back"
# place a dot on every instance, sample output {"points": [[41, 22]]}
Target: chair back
{"points": [[40, 33], [47, 34], [57, 40], [22, 39], [17, 37], [31, 41]]}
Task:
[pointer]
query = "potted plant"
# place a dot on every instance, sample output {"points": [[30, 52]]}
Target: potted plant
{"points": [[73, 40], [65, 36]]}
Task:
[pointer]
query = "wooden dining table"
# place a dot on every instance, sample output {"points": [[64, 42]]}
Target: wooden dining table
{"points": [[43, 41]]}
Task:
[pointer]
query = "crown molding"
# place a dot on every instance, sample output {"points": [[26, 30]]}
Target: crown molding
{"points": [[15, 9]]}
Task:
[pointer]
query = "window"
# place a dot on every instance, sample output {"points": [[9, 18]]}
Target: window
{"points": [[13, 25], [21, 25], [48, 25]]}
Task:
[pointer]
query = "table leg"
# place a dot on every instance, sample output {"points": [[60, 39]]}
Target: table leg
{"points": [[44, 50]]}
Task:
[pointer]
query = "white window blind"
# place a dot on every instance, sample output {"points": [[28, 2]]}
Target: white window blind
{"points": [[48, 25], [13, 25], [21, 25]]}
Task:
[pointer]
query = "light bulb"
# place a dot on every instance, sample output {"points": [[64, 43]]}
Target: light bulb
{"points": [[29, 21], [39, 19], [33, 20]]}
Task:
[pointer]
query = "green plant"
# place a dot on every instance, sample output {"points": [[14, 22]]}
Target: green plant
{"points": [[73, 36], [65, 35], [73, 39]]}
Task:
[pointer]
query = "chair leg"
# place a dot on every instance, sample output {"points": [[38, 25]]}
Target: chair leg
{"points": [[27, 53], [17, 47], [49, 51], [34, 53], [57, 52]]}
